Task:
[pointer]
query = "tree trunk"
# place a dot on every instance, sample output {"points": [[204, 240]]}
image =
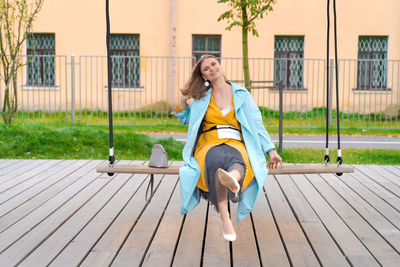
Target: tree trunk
{"points": [[245, 49], [14, 98], [10, 104], [6, 102]]}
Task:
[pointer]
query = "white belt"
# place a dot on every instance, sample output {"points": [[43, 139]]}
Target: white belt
{"points": [[226, 132]]}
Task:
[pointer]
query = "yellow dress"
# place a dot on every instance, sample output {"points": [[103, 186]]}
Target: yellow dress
{"points": [[210, 139]]}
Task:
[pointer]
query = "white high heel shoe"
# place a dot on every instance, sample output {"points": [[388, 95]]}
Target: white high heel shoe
{"points": [[229, 237], [226, 179]]}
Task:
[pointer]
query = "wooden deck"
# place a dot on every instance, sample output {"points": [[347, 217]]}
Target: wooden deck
{"points": [[63, 213]]}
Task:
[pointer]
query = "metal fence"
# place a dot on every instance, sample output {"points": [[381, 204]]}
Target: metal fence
{"points": [[145, 90]]}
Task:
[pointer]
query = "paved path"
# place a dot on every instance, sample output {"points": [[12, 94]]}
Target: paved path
{"points": [[318, 141]]}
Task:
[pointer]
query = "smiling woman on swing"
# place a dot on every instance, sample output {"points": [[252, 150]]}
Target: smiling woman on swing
{"points": [[226, 145]]}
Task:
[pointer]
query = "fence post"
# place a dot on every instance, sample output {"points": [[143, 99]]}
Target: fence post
{"points": [[329, 105], [73, 88], [280, 117]]}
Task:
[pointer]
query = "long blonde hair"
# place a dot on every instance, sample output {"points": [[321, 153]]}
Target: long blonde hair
{"points": [[195, 87]]}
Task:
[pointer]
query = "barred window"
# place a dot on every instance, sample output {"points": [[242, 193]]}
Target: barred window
{"points": [[289, 62], [40, 53], [372, 62], [206, 44], [124, 51]]}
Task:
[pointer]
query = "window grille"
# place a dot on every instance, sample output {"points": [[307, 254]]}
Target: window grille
{"points": [[372, 63], [41, 59], [289, 62], [206, 44], [125, 60]]}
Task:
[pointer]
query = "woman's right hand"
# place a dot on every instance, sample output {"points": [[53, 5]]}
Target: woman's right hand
{"points": [[183, 102]]}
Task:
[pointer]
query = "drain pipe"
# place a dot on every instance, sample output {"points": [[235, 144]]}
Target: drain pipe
{"points": [[172, 51]]}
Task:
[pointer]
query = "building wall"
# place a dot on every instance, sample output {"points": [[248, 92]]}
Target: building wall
{"points": [[80, 25], [80, 29]]}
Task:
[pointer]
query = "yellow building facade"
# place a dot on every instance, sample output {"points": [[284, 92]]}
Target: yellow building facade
{"points": [[166, 33], [79, 26]]}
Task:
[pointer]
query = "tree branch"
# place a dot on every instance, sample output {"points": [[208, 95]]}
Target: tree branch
{"points": [[260, 11]]}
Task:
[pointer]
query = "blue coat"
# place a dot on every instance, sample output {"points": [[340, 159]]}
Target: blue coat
{"points": [[256, 139]]}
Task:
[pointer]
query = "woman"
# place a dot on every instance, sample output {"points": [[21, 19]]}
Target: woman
{"points": [[226, 146]]}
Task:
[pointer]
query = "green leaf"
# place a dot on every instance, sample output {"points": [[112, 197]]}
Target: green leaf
{"points": [[225, 15], [254, 32]]}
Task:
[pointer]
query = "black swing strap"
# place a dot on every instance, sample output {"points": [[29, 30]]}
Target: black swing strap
{"points": [[339, 159], [339, 153], [326, 158], [111, 157]]}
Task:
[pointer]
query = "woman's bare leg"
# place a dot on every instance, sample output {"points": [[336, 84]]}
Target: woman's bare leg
{"points": [[222, 202]]}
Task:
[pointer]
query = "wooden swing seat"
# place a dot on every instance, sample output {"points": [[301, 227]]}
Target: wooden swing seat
{"points": [[174, 170]]}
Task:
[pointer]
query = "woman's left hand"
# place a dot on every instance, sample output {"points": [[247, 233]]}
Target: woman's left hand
{"points": [[274, 159]]}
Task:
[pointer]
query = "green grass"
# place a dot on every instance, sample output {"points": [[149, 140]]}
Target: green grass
{"points": [[349, 156], [50, 141], [66, 141], [312, 121], [160, 122]]}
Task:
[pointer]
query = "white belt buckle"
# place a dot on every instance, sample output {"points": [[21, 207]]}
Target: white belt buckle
{"points": [[229, 133]]}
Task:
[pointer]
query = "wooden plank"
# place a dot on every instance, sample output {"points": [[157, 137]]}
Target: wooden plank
{"points": [[82, 244], [138, 241], [285, 169], [244, 248], [377, 189], [377, 246], [161, 250], [188, 252], [27, 223], [34, 173], [89, 222], [368, 213], [393, 170], [12, 171], [29, 183], [384, 173], [25, 203], [310, 168], [137, 169], [61, 226], [26, 194], [378, 178], [299, 251], [216, 248], [40, 231], [324, 246], [7, 162], [378, 203], [350, 245], [272, 252], [15, 167], [397, 167], [26, 175], [107, 247]]}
